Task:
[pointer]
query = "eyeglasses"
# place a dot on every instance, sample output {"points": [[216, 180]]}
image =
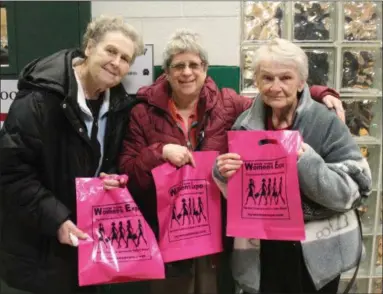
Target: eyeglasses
{"points": [[192, 65]]}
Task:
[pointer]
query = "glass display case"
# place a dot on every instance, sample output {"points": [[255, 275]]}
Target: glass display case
{"points": [[343, 42]]}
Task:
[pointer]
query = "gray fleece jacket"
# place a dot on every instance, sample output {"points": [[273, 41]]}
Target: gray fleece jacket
{"points": [[334, 179]]}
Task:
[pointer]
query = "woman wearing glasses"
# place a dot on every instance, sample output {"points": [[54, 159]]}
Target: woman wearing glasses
{"points": [[183, 111]]}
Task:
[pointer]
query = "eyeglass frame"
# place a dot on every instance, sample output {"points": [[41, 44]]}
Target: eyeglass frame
{"points": [[181, 66]]}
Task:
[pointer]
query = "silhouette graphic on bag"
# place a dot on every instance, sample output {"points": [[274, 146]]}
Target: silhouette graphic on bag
{"points": [[101, 234], [114, 234], [140, 234], [194, 214], [250, 190], [268, 194]]}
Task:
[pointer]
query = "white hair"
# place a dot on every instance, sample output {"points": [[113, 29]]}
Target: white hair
{"points": [[284, 52], [103, 24], [183, 41]]}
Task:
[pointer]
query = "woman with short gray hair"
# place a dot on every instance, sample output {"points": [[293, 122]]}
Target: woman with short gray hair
{"points": [[183, 40], [334, 179], [183, 111], [67, 121]]}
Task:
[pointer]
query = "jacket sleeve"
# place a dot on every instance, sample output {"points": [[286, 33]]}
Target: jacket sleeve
{"points": [[319, 92], [238, 103], [337, 183], [21, 156], [137, 159]]}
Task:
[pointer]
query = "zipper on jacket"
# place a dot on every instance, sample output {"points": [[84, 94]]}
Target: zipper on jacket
{"points": [[194, 124], [188, 143]]}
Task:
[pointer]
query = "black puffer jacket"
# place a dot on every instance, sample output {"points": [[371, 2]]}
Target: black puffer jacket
{"points": [[43, 147]]}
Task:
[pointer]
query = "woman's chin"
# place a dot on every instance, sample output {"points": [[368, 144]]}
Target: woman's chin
{"points": [[277, 104], [108, 83], [188, 92]]}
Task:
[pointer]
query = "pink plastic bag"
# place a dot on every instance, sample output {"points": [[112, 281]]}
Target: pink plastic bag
{"points": [[264, 199], [122, 247], [189, 209]]}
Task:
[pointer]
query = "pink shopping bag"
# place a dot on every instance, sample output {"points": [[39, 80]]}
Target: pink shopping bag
{"points": [[264, 199], [121, 247], [189, 209]]}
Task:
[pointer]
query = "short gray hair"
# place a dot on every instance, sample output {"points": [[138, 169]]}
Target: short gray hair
{"points": [[283, 51], [183, 41], [102, 24]]}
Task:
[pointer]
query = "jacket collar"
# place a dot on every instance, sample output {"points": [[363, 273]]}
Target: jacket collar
{"points": [[118, 97]]}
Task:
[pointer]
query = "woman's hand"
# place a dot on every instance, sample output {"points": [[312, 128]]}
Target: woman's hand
{"points": [[113, 181], [228, 164], [69, 234], [333, 102], [302, 149], [177, 155]]}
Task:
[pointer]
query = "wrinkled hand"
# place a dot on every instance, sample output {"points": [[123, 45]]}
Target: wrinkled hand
{"points": [[177, 155], [333, 102], [228, 164], [67, 228], [302, 149], [110, 183]]}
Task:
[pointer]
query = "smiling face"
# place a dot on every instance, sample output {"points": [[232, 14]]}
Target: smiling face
{"points": [[278, 83], [108, 61], [186, 74]]}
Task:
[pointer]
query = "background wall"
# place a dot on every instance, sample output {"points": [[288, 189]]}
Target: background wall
{"points": [[218, 23]]}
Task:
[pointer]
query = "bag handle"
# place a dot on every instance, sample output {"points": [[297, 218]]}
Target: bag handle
{"points": [[268, 141], [352, 281]]}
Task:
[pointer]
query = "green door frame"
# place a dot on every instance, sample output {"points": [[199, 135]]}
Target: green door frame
{"points": [[13, 13]]}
